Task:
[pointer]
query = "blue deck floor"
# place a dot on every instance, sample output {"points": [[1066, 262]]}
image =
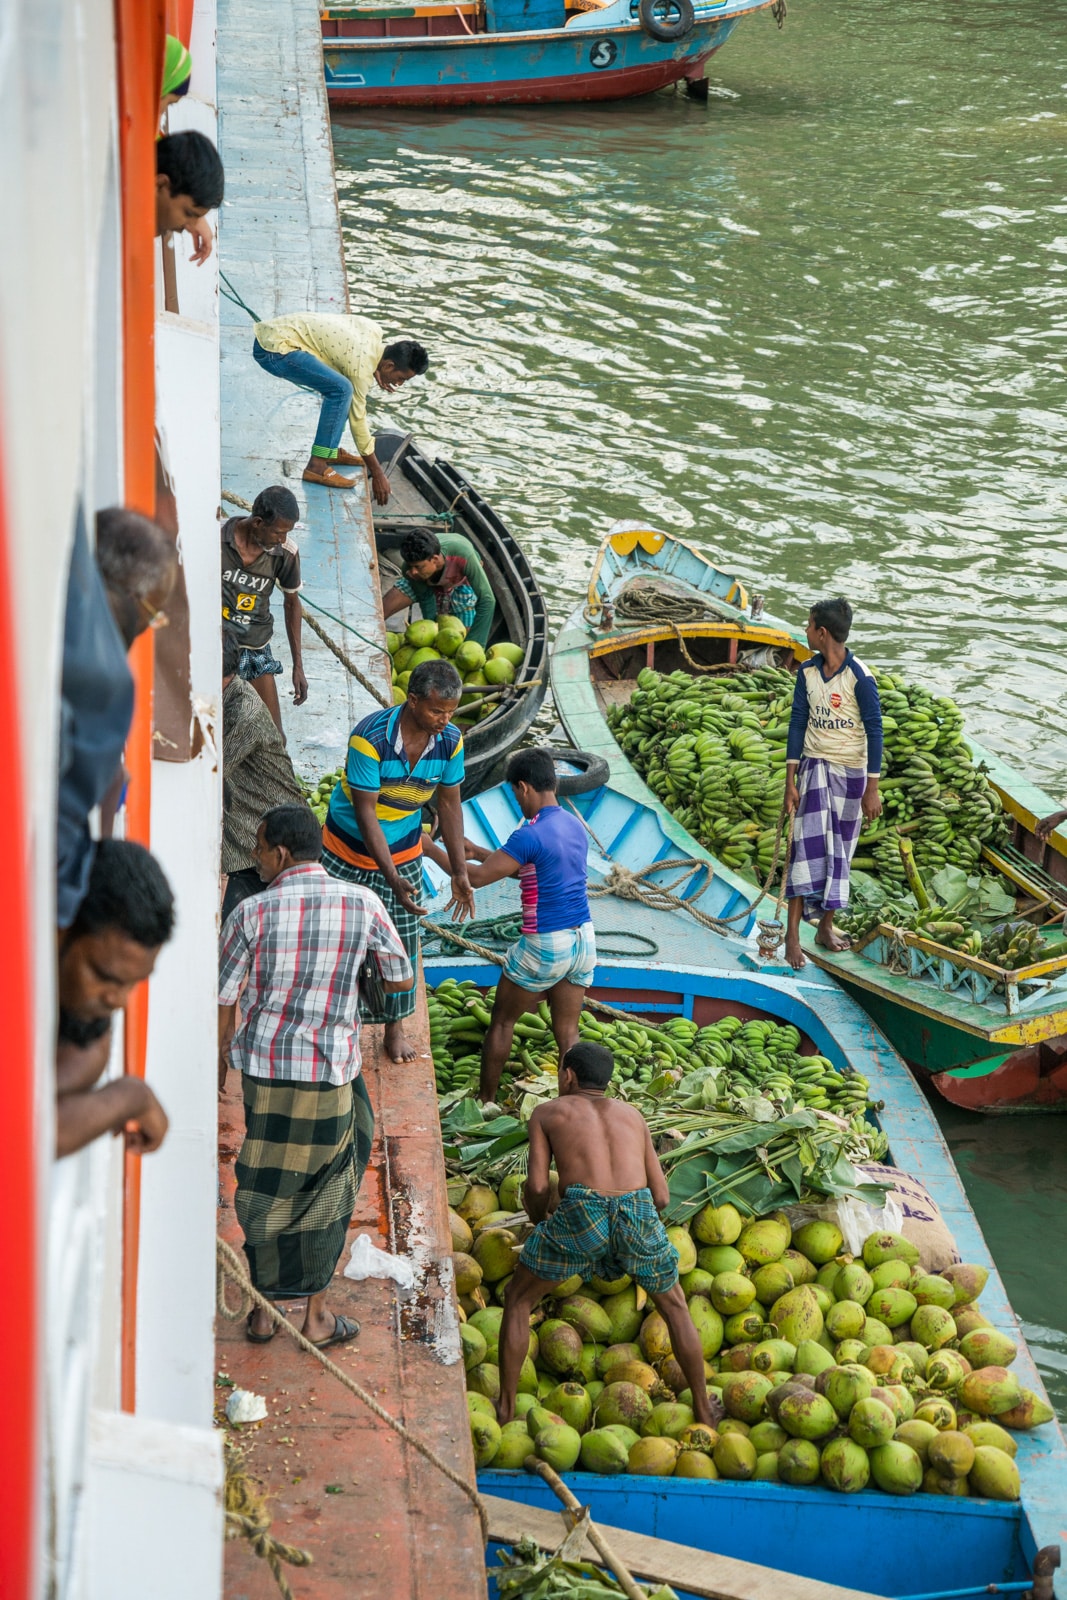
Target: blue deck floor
{"points": [[280, 245]]}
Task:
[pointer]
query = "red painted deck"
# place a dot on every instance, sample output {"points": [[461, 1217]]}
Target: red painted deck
{"points": [[393, 1528]]}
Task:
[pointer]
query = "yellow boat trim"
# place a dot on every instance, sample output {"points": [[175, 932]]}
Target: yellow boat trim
{"points": [[1014, 1031], [657, 633], [624, 544]]}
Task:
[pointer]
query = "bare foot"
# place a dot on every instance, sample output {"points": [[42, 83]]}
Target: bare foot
{"points": [[710, 1413], [793, 953], [828, 936], [397, 1045]]}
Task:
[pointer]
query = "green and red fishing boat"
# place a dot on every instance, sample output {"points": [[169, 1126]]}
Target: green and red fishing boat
{"points": [[993, 1039]]}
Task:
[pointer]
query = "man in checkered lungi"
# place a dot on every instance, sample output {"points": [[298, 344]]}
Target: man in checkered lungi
{"points": [[397, 760], [833, 758], [292, 956]]}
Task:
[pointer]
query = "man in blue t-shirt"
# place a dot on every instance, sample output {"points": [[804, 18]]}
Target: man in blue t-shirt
{"points": [[556, 952]]}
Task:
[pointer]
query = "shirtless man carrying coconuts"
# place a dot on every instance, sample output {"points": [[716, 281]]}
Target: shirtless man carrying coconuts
{"points": [[606, 1223]]}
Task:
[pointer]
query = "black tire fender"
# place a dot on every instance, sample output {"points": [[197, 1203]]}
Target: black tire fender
{"points": [[658, 27], [592, 771]]}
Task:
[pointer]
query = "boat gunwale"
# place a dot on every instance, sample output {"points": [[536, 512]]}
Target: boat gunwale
{"points": [[417, 42]]}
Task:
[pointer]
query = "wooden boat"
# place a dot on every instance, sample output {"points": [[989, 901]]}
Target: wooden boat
{"points": [[923, 1545], [521, 52], [988, 1051], [429, 493]]}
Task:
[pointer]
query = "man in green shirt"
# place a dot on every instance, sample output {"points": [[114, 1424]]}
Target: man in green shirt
{"points": [[444, 575]]}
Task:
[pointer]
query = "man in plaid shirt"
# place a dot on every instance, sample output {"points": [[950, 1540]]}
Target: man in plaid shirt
{"points": [[296, 951]]}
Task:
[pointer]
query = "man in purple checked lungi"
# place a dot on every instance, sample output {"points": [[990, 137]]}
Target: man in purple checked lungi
{"points": [[833, 758]]}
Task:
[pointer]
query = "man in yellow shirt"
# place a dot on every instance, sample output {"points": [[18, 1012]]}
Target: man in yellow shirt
{"points": [[341, 357]]}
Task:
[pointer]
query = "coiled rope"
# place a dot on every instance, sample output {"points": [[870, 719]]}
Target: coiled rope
{"points": [[228, 1266], [649, 603]]}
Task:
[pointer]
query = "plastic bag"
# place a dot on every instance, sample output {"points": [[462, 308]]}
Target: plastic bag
{"points": [[367, 1261], [855, 1218]]}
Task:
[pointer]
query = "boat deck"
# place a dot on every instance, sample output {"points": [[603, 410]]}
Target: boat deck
{"points": [[376, 1520]]}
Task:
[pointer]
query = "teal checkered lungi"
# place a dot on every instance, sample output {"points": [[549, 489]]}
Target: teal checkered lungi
{"points": [[599, 1235], [407, 926]]}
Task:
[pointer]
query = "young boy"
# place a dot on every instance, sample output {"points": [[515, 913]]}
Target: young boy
{"points": [[189, 184], [611, 1188], [555, 956], [833, 758]]}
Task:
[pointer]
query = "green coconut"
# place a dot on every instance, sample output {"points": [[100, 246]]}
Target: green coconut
{"points": [[472, 1345], [798, 1462], [879, 1247], [716, 1258], [623, 1316], [734, 1456], [989, 1392], [919, 1436], [708, 1324], [844, 1466], [819, 1241], [571, 1402], [515, 1445], [653, 1458], [762, 1242], [717, 1225], [807, 1415], [604, 1452], [994, 1475], [485, 1437], [499, 671], [896, 1468], [967, 1281], [853, 1282], [988, 1347], [559, 1445], [470, 657], [694, 1464], [420, 634], [590, 1319], [797, 1315], [626, 1403], [871, 1423]]}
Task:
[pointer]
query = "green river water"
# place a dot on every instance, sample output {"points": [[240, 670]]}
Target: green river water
{"points": [[818, 325]]}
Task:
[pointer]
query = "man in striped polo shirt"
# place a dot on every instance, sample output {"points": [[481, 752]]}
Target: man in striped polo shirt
{"points": [[398, 759]]}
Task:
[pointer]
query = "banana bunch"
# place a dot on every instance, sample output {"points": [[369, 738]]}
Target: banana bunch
{"points": [[318, 795], [713, 750], [1012, 945], [459, 1021], [763, 1057]]}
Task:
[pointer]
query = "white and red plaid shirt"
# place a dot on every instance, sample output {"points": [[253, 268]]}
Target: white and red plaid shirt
{"points": [[300, 945]]}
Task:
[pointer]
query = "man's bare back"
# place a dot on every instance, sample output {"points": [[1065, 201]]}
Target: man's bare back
{"points": [[601, 1143]]}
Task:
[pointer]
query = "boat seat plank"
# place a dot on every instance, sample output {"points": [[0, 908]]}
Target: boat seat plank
{"points": [[712, 1577]]}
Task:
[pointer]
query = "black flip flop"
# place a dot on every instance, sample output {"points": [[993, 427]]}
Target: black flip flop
{"points": [[257, 1338], [344, 1329]]}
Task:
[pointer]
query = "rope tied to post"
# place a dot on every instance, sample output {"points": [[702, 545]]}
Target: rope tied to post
{"points": [[229, 1267]]}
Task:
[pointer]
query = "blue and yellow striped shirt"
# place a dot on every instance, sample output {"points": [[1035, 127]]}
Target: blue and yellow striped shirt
{"points": [[376, 764]]}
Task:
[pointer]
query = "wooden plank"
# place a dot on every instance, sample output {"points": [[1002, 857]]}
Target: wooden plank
{"points": [[713, 1577]]}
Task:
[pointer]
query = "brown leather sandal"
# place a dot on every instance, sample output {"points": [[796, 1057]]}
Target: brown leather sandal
{"points": [[328, 478]]}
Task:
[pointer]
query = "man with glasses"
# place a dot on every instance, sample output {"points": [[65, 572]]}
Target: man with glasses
{"points": [[257, 553], [110, 601]]}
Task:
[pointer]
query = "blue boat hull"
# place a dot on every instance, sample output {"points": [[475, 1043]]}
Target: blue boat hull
{"points": [[530, 68], [923, 1544]]}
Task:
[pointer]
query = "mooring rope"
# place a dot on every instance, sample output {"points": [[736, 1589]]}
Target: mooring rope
{"points": [[229, 1266]]}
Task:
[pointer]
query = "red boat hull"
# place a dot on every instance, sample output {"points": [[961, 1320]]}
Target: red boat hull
{"points": [[1034, 1079]]}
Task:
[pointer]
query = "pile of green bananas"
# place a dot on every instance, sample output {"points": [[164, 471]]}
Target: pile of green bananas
{"points": [[931, 787], [757, 1057], [1011, 945], [713, 749], [318, 795], [459, 1020]]}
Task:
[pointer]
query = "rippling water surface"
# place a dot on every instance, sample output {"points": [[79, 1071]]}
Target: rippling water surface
{"points": [[819, 326]]}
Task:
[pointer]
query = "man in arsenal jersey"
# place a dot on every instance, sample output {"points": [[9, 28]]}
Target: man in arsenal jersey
{"points": [[833, 759]]}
